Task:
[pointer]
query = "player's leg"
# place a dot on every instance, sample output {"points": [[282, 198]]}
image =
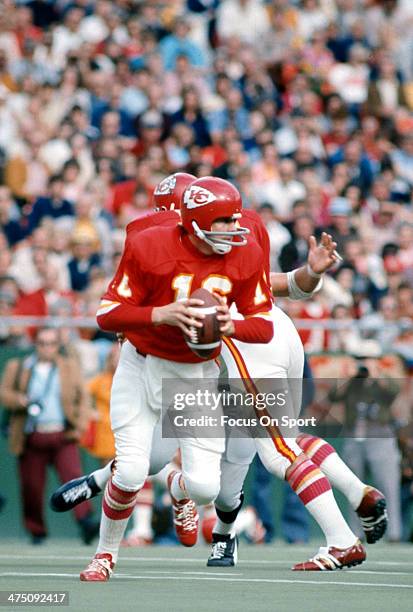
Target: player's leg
{"points": [[235, 463], [198, 481], [196, 484], [133, 425], [368, 502], [160, 466], [282, 456], [72, 493], [75, 491], [304, 475]]}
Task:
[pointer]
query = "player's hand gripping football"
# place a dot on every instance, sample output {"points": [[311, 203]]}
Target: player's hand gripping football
{"points": [[226, 327], [179, 314], [323, 256]]}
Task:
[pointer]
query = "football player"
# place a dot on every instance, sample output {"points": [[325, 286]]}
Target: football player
{"points": [[223, 548], [149, 301]]}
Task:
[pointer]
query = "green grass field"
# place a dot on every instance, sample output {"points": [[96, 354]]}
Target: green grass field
{"points": [[176, 579]]}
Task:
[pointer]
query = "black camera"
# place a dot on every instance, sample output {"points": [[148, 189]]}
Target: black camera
{"points": [[362, 372]]}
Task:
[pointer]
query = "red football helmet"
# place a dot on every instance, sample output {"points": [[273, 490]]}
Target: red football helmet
{"points": [[168, 193], [206, 200]]}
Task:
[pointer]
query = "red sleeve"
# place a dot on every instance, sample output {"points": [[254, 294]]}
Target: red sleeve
{"points": [[120, 308], [254, 330], [254, 297]]}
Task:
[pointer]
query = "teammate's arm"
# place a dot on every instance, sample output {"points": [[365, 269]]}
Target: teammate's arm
{"points": [[307, 278]]}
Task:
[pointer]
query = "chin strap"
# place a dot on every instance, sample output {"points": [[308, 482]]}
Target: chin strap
{"points": [[221, 242]]}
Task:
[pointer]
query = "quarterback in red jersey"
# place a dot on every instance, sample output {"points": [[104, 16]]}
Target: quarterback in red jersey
{"points": [[148, 300], [169, 193], [162, 266]]}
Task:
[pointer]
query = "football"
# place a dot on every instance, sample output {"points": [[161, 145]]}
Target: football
{"points": [[204, 340]]}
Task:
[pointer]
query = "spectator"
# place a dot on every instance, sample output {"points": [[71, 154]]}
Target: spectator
{"points": [[246, 20], [53, 205], [383, 325], [294, 254], [177, 44], [85, 259], [101, 443], [341, 228], [45, 395], [370, 437], [278, 234]]}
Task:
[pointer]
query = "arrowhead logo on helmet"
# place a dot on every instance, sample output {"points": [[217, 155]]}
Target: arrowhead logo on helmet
{"points": [[198, 196], [208, 200], [166, 186], [168, 193]]}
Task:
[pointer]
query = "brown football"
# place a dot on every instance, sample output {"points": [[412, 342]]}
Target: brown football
{"points": [[205, 339]]}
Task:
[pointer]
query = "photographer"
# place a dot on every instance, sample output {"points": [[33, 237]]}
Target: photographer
{"points": [[45, 395], [370, 440]]}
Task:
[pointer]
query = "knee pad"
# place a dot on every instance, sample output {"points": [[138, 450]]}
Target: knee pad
{"points": [[202, 492], [130, 474]]}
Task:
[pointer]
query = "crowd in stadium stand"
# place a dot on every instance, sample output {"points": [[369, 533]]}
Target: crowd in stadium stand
{"points": [[305, 105]]}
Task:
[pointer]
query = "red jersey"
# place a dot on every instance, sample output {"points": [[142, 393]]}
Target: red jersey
{"points": [[161, 265], [252, 220]]}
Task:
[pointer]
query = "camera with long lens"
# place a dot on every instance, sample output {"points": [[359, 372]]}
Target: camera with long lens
{"points": [[33, 410], [362, 372]]}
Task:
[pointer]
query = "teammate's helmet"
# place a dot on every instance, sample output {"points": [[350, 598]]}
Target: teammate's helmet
{"points": [[168, 193], [206, 200]]}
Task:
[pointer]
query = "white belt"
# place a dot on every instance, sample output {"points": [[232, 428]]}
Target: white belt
{"points": [[49, 428]]}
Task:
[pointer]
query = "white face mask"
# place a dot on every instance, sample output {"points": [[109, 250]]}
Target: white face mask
{"points": [[221, 242]]}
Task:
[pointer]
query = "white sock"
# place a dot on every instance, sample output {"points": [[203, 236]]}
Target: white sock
{"points": [[325, 511], [110, 536], [142, 522], [224, 528], [344, 479], [176, 490], [102, 475]]}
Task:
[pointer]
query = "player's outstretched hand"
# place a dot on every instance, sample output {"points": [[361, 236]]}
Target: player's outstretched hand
{"points": [[323, 256], [224, 317], [182, 314]]}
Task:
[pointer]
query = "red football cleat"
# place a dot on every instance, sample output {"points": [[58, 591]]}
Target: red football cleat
{"points": [[330, 559], [207, 526], [100, 569], [373, 514], [186, 518]]}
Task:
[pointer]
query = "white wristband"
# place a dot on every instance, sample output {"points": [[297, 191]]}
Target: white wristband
{"points": [[311, 272], [294, 291]]}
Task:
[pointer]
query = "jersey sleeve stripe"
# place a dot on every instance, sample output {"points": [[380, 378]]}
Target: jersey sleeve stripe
{"points": [[106, 307]]}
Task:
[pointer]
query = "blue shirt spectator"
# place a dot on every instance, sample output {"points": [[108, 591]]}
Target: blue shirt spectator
{"points": [[52, 205], [177, 44]]}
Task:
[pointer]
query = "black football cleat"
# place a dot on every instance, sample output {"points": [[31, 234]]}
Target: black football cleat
{"points": [[73, 493], [224, 551]]}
